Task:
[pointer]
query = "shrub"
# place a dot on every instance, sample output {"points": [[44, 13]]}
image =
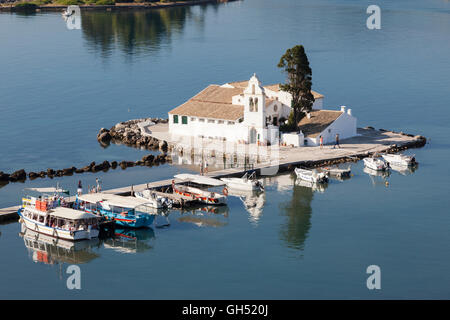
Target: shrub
{"points": [[25, 6], [105, 2]]}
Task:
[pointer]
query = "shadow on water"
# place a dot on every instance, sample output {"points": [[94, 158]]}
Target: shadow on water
{"points": [[298, 212], [136, 32]]}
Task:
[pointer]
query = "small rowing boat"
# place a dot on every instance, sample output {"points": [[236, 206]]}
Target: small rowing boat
{"points": [[338, 172], [399, 159], [311, 175]]}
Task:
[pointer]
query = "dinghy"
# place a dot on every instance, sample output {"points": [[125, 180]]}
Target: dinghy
{"points": [[338, 172], [311, 175], [399, 159]]}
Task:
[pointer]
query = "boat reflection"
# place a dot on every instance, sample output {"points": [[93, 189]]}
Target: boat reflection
{"points": [[130, 240], [317, 187], [377, 176], [298, 213], [253, 202], [205, 216], [49, 250], [404, 170]]}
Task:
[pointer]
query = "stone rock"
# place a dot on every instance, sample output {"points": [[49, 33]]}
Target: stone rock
{"points": [[32, 175], [42, 174], [104, 137], [4, 176], [148, 157], [50, 172], [114, 164], [79, 170], [162, 145]]}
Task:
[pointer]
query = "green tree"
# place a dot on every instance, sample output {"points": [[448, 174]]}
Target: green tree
{"points": [[295, 63]]}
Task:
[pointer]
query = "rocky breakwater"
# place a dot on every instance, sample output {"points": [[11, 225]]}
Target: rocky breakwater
{"points": [[131, 134]]}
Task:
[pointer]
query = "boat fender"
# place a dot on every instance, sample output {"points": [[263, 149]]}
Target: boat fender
{"points": [[225, 191]]}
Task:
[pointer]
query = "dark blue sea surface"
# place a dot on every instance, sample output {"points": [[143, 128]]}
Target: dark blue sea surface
{"points": [[58, 87]]}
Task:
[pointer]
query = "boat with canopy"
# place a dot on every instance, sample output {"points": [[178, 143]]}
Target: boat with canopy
{"points": [[49, 214], [125, 211], [196, 187]]}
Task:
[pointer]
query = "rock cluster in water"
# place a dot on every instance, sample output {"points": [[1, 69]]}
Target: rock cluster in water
{"points": [[130, 134]]}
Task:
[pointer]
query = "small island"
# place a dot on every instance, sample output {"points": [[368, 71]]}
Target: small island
{"points": [[56, 5]]}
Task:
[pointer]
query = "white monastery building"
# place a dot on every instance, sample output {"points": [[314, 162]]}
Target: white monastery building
{"points": [[247, 112]]}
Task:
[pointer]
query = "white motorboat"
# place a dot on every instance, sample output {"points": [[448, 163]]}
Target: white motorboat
{"points": [[154, 200], [311, 175], [248, 183], [196, 192], [399, 159], [375, 164]]}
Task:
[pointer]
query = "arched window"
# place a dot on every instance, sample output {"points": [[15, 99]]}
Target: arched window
{"points": [[256, 104], [251, 104], [253, 89], [275, 108]]}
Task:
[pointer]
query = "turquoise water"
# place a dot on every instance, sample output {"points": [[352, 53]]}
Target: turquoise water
{"points": [[59, 86]]}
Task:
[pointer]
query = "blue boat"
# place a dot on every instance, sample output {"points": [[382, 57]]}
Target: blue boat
{"points": [[128, 212]]}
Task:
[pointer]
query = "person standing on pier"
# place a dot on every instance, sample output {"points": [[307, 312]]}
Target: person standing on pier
{"points": [[80, 188], [206, 167], [336, 143], [321, 142]]}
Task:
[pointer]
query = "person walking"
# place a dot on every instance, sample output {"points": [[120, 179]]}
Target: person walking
{"points": [[80, 188], [321, 142], [206, 167], [201, 167], [98, 186], [336, 143]]}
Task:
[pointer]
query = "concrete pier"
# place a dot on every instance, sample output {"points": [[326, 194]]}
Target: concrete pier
{"points": [[369, 141]]}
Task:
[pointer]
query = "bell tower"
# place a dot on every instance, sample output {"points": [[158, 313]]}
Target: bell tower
{"points": [[254, 104]]}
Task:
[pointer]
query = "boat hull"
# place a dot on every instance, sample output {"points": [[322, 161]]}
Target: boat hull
{"points": [[237, 183], [398, 160], [377, 165], [308, 176], [201, 195], [129, 221]]}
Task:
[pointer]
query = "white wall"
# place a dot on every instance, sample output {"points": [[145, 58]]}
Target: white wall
{"points": [[344, 125], [293, 139]]}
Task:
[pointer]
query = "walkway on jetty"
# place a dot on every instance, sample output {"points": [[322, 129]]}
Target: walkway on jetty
{"points": [[368, 141]]}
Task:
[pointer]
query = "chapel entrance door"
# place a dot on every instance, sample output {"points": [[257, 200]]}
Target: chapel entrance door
{"points": [[252, 136]]}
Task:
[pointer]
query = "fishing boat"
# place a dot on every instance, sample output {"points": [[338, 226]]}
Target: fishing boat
{"points": [[311, 175], [338, 172], [46, 214], [127, 211], [246, 182], [375, 164], [197, 188], [399, 159], [153, 199]]}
